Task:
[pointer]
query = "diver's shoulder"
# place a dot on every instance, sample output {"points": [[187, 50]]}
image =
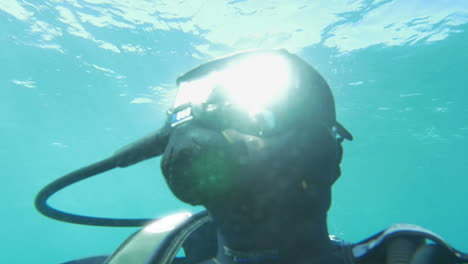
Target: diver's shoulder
{"points": [[417, 243]]}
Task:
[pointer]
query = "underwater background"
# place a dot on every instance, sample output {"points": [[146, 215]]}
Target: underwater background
{"points": [[81, 78]]}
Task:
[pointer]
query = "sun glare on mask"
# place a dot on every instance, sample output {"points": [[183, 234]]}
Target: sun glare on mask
{"points": [[257, 81], [196, 91], [250, 83]]}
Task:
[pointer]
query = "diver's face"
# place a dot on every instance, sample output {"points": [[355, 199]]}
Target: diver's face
{"points": [[206, 166]]}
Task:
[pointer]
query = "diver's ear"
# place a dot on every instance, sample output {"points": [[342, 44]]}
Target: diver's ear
{"points": [[339, 153], [336, 174], [337, 168]]}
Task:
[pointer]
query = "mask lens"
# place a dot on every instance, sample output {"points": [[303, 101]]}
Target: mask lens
{"points": [[226, 116], [260, 93], [240, 95], [261, 124]]}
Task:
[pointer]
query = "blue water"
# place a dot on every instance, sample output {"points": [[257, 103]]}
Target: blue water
{"points": [[81, 78]]}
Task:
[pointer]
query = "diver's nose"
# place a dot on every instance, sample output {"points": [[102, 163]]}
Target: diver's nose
{"points": [[251, 143]]}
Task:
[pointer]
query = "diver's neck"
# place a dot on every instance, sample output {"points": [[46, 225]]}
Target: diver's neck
{"points": [[298, 242]]}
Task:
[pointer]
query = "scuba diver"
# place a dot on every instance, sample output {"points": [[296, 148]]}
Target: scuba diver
{"points": [[253, 138]]}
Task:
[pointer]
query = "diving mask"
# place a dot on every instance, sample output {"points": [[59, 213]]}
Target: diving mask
{"points": [[241, 94], [258, 93]]}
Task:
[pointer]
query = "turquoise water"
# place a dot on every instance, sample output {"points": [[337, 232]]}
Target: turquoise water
{"points": [[81, 78]]}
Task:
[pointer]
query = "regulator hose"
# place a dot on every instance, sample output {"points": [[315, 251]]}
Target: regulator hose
{"points": [[148, 147]]}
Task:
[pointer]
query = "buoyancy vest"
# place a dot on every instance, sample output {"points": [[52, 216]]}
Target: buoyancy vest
{"points": [[162, 240]]}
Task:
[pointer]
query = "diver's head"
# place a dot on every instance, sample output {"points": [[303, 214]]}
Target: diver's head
{"points": [[257, 125]]}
